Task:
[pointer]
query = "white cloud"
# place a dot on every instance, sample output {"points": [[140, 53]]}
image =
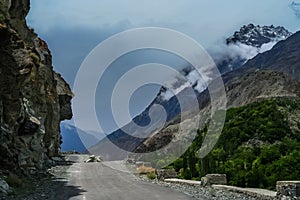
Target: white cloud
{"points": [[295, 5], [206, 21]]}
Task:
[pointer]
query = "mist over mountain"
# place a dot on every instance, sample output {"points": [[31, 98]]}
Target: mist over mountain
{"points": [[246, 43], [260, 38], [284, 57], [268, 77], [232, 53]]}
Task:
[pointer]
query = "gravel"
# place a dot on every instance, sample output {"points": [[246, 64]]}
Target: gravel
{"points": [[199, 192]]}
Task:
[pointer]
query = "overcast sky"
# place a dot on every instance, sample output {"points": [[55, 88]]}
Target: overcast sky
{"points": [[72, 28]]}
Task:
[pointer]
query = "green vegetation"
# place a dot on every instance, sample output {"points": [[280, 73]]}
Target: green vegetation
{"points": [[257, 147], [151, 175]]}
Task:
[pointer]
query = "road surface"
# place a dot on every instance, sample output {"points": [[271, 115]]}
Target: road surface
{"points": [[98, 181]]}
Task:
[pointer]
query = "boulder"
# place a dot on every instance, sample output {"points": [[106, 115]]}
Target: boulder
{"points": [[165, 174], [214, 179]]}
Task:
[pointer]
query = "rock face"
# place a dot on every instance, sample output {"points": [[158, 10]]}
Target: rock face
{"points": [[33, 98]]}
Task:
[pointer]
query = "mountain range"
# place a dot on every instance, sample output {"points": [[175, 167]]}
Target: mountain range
{"points": [[272, 74], [75, 139], [269, 74]]}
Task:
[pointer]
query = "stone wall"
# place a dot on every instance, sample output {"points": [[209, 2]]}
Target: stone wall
{"points": [[210, 179], [288, 190]]}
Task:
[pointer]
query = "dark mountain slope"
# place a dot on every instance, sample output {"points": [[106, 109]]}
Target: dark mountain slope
{"points": [[284, 57]]}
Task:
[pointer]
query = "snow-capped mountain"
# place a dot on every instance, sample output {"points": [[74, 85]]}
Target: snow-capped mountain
{"points": [[245, 44], [234, 52], [257, 36]]}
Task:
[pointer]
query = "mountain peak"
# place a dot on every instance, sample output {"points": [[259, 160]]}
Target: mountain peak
{"points": [[256, 35]]}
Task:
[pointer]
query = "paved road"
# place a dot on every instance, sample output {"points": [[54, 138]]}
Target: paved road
{"points": [[97, 181]]}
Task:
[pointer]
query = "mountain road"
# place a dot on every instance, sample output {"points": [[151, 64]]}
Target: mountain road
{"points": [[111, 181]]}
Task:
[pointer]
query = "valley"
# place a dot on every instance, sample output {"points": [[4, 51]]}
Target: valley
{"points": [[243, 132]]}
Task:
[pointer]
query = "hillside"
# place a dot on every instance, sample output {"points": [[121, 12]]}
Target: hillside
{"points": [[259, 145], [283, 57], [247, 85]]}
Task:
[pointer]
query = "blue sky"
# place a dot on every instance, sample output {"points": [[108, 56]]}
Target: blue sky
{"points": [[72, 28]]}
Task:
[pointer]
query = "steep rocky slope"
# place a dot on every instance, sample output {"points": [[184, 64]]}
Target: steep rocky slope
{"points": [[271, 75], [283, 57], [33, 98]]}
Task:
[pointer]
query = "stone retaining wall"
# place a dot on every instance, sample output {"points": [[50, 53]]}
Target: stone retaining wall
{"points": [[288, 190]]}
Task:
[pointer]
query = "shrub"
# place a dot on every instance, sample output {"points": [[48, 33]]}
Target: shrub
{"points": [[151, 175]]}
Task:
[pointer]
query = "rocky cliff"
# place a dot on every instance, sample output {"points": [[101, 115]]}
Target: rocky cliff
{"points": [[33, 97]]}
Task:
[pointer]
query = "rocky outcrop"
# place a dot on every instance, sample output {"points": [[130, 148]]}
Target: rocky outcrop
{"points": [[166, 174], [33, 98], [258, 35]]}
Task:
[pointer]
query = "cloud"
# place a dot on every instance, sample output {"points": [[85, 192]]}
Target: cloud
{"points": [[192, 78], [205, 21], [222, 52], [295, 6]]}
